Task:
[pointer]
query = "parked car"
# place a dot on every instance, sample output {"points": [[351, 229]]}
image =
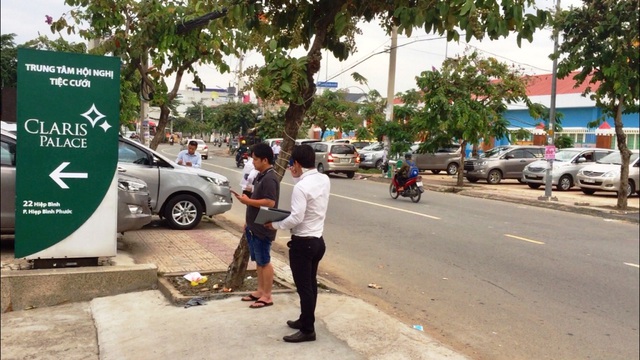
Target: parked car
{"points": [[334, 157], [134, 200], [133, 195], [371, 156], [272, 141], [360, 144], [605, 174], [446, 158], [566, 165], [179, 194], [502, 162], [306, 141], [203, 148]]}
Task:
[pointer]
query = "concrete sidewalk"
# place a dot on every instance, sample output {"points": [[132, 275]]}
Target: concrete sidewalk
{"points": [[146, 325]]}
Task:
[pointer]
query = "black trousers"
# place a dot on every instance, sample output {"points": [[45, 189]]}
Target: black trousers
{"points": [[305, 254]]}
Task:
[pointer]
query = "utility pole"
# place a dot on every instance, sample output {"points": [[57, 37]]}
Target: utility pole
{"points": [[552, 120], [391, 87], [240, 82]]}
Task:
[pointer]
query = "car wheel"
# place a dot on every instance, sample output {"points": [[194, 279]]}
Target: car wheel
{"points": [[588, 191], [630, 188], [351, 174], [452, 169], [183, 212], [520, 180], [393, 192], [534, 186], [565, 183], [321, 168], [472, 179], [494, 177], [379, 164], [435, 171]]}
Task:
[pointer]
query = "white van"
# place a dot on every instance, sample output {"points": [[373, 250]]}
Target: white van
{"points": [[272, 142]]}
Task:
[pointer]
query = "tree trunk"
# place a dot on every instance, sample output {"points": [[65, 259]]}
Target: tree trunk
{"points": [[460, 179], [162, 125], [293, 121], [238, 267], [625, 155]]}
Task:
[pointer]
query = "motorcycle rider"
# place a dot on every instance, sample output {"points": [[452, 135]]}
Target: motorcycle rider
{"points": [[402, 174], [241, 150]]}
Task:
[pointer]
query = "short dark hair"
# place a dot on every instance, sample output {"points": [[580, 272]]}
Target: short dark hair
{"points": [[193, 142], [305, 156], [263, 151]]}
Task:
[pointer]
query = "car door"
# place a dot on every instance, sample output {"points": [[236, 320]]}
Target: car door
{"points": [[514, 162], [8, 198], [138, 162]]}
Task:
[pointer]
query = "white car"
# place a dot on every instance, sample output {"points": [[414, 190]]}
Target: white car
{"points": [[203, 148], [565, 167], [605, 175]]}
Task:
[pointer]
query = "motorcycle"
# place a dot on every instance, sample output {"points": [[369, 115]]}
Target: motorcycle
{"points": [[412, 188], [171, 141], [242, 159]]}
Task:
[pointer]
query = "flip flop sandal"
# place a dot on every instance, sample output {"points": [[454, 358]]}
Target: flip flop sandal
{"points": [[264, 304], [250, 298]]}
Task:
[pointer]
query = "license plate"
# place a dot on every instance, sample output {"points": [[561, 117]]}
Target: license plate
{"points": [[419, 183], [590, 181]]}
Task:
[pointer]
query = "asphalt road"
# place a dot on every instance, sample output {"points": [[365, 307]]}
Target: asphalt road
{"points": [[491, 279]]}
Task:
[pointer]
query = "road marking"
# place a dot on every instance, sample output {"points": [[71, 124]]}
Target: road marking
{"points": [[350, 198], [387, 207], [524, 239], [634, 265]]}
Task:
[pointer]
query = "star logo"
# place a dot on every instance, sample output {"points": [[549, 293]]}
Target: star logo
{"points": [[93, 115], [105, 126]]}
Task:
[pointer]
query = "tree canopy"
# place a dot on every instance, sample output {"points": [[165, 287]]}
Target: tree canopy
{"points": [[601, 42], [466, 101]]}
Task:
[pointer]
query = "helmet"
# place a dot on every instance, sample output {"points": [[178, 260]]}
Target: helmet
{"points": [[407, 156], [243, 142]]}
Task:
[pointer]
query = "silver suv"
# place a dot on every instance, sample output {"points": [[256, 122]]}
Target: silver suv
{"points": [[371, 156], [502, 162], [446, 158], [179, 194], [565, 167], [336, 157]]}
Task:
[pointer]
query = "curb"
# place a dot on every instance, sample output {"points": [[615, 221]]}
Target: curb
{"points": [[28, 289]]}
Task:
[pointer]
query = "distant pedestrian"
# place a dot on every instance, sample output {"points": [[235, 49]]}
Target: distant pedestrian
{"points": [[266, 190], [276, 151], [309, 202]]}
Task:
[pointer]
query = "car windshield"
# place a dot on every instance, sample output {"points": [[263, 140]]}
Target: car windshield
{"points": [[566, 155], [373, 147], [615, 158], [343, 149], [495, 152]]}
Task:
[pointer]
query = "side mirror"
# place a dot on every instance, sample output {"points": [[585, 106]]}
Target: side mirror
{"points": [[581, 160], [509, 156]]}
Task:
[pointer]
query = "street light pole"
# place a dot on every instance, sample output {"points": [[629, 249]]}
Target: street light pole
{"points": [[391, 87], [552, 118]]}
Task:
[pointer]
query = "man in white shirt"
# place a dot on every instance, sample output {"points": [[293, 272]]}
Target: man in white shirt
{"points": [[309, 203], [190, 157], [249, 174], [276, 150]]}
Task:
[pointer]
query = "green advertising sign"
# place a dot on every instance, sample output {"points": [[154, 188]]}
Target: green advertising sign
{"points": [[67, 152]]}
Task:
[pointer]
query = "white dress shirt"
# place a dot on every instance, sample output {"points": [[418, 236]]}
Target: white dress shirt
{"points": [[249, 173], [195, 159], [309, 203]]}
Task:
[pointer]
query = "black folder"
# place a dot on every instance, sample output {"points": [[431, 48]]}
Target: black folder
{"points": [[267, 214]]}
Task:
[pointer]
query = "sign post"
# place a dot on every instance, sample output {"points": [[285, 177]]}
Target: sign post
{"points": [[66, 181]]}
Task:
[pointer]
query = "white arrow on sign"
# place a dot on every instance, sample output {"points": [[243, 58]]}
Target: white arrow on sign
{"points": [[57, 175]]}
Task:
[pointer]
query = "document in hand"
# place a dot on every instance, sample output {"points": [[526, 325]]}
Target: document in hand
{"points": [[267, 214]]}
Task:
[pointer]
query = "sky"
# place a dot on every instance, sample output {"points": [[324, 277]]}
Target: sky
{"points": [[418, 53]]}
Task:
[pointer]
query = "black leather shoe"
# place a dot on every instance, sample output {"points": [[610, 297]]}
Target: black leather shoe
{"points": [[294, 324], [300, 337]]}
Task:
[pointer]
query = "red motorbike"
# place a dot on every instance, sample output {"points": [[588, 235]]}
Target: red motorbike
{"points": [[412, 188]]}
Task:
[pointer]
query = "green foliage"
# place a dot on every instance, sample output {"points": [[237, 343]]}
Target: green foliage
{"points": [[8, 60], [271, 124], [234, 118], [563, 142], [331, 110], [520, 134], [60, 44]]}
